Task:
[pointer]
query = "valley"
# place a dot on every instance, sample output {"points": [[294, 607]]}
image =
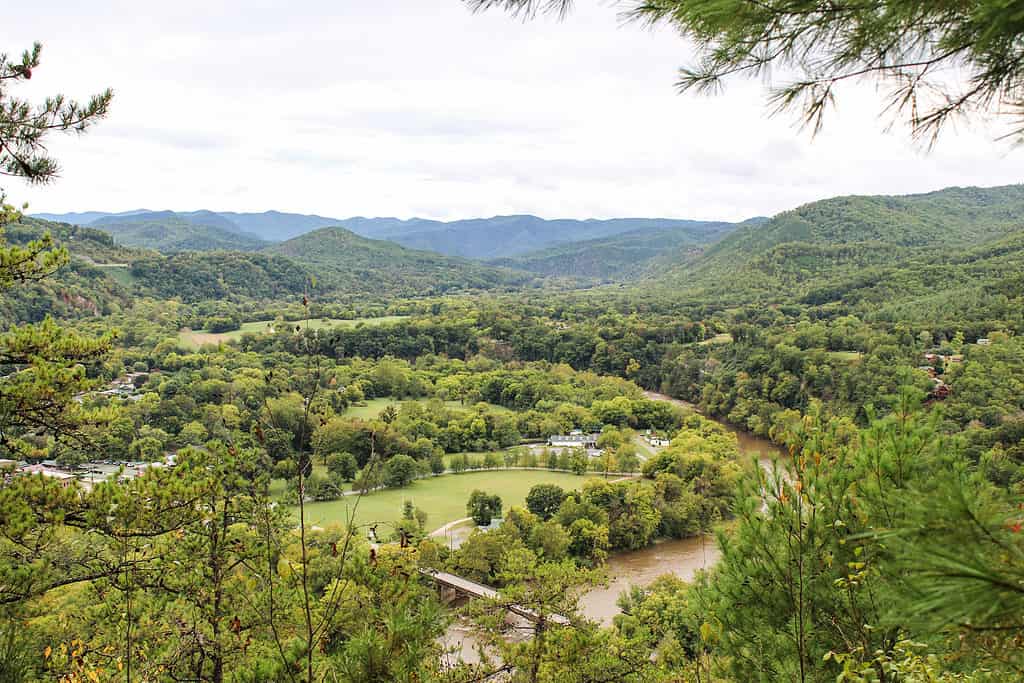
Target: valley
{"points": [[593, 384]]}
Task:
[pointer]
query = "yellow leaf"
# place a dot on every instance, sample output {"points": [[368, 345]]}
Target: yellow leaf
{"points": [[47, 652]]}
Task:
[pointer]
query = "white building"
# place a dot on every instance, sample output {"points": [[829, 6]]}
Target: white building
{"points": [[575, 439]]}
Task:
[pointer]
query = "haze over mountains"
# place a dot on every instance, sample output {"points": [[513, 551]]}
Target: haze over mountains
{"points": [[479, 238]]}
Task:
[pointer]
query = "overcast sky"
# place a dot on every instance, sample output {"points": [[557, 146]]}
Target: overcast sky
{"points": [[420, 108]]}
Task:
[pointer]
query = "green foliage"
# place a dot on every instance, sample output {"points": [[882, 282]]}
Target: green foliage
{"points": [[483, 507], [169, 234], [544, 500], [400, 471], [220, 276], [23, 125], [902, 45]]}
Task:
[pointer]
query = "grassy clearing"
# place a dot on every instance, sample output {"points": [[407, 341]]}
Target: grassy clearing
{"points": [[119, 272], [443, 498], [193, 339], [372, 408], [845, 356], [723, 338]]}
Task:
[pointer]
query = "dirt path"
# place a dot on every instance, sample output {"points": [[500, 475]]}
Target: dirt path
{"points": [[441, 531]]}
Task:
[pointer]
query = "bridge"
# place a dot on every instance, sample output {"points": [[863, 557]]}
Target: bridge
{"points": [[473, 589]]}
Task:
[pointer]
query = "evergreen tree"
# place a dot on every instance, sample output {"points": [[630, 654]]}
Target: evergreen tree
{"points": [[43, 366], [903, 44]]}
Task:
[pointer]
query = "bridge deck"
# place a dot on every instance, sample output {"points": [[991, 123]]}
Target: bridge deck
{"points": [[479, 590]]}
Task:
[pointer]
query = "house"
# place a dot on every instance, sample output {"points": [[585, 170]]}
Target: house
{"points": [[574, 439], [659, 441], [927, 368], [984, 342]]}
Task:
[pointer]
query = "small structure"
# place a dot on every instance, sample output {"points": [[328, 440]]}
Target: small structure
{"points": [[984, 341], [574, 439]]}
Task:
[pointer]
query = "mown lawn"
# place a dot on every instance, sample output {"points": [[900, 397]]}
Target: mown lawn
{"points": [[443, 498], [193, 339]]}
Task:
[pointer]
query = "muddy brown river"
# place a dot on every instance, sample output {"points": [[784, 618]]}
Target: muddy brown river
{"points": [[683, 558], [680, 557]]}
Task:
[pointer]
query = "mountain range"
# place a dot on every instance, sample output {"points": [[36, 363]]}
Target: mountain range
{"points": [[478, 238], [917, 254]]}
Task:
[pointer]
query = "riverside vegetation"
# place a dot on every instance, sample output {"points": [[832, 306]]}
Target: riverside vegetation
{"points": [[878, 340]]}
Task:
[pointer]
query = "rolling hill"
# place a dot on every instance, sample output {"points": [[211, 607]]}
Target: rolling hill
{"points": [[477, 238], [850, 249], [95, 282], [615, 258], [510, 236], [269, 226], [169, 232], [345, 261]]}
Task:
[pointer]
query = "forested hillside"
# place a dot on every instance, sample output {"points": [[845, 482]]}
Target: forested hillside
{"points": [[172, 233], [94, 283], [346, 262], [507, 236], [620, 257], [912, 245]]}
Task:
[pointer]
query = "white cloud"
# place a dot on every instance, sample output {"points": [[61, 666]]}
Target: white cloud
{"points": [[418, 107]]}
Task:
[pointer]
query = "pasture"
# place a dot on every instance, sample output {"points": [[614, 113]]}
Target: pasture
{"points": [[194, 339]]}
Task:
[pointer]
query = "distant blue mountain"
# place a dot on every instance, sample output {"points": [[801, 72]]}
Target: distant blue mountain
{"points": [[476, 238]]}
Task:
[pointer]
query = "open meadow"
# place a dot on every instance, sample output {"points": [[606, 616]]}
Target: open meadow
{"points": [[370, 409], [194, 339], [442, 498]]}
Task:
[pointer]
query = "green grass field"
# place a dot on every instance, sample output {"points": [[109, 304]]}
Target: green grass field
{"points": [[193, 339], [443, 498], [372, 408], [721, 338], [119, 272]]}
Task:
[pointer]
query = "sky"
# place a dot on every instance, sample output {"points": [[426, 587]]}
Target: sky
{"points": [[421, 108]]}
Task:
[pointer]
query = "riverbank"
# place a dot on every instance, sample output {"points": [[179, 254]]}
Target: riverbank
{"points": [[749, 444], [679, 557]]}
